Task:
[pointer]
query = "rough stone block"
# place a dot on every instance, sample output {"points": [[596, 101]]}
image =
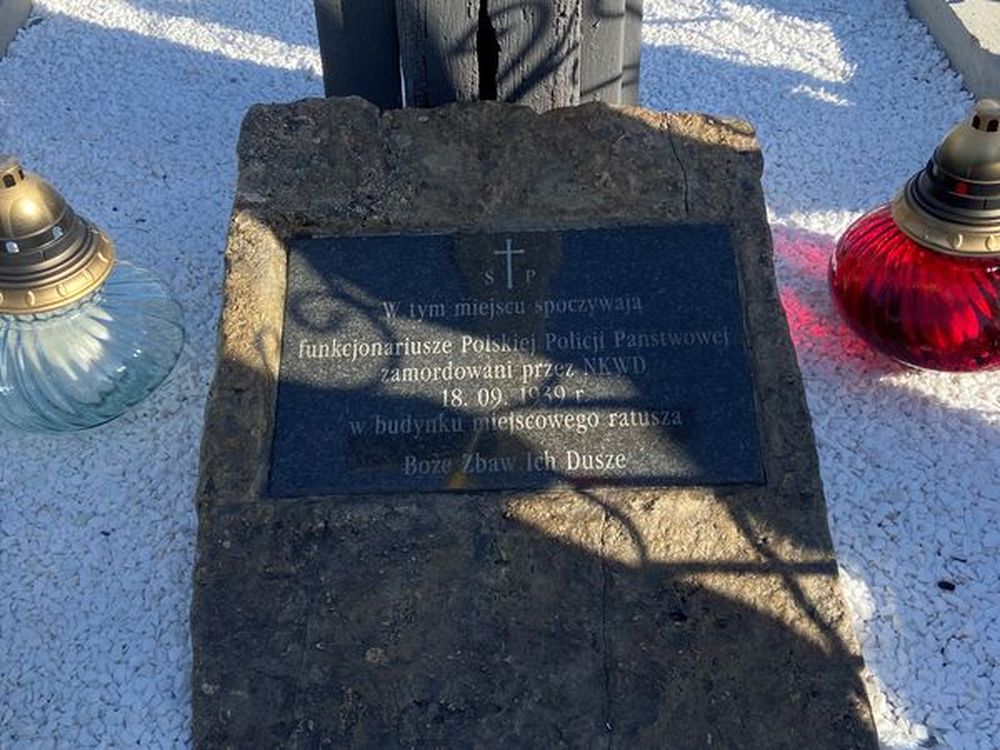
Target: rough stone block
{"points": [[567, 616]]}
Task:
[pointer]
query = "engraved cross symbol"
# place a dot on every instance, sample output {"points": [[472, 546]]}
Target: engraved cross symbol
{"points": [[510, 252]]}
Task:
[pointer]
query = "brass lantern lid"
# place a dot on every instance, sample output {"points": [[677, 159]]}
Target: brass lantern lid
{"points": [[50, 257], [953, 204]]}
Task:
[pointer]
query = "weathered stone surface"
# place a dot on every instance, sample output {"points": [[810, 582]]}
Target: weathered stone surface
{"points": [[577, 618]]}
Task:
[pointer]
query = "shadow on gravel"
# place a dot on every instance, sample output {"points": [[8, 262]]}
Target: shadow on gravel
{"points": [[894, 468], [240, 16], [814, 110]]}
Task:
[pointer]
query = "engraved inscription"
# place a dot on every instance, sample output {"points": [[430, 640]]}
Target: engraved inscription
{"points": [[486, 361]]}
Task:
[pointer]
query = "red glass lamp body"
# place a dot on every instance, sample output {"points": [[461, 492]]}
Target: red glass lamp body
{"points": [[920, 306], [919, 278]]}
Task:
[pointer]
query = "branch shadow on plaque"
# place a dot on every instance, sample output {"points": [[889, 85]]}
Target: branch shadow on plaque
{"points": [[560, 352]]}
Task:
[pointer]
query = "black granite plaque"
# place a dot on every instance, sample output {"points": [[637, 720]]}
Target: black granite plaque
{"points": [[513, 360]]}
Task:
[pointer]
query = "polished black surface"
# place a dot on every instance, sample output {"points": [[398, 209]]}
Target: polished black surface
{"points": [[432, 363]]}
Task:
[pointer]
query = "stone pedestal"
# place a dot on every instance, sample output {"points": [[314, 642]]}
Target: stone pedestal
{"points": [[574, 617]]}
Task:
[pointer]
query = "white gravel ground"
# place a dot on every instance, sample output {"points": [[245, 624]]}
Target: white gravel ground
{"points": [[133, 109]]}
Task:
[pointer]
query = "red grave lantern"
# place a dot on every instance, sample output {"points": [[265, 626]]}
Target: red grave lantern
{"points": [[919, 277]]}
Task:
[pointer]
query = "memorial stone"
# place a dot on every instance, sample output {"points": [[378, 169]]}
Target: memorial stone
{"points": [[507, 445]]}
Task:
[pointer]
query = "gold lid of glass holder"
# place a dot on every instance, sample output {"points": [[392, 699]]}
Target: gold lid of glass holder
{"points": [[953, 204], [50, 257]]}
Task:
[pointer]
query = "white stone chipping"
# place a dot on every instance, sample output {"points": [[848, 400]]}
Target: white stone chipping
{"points": [[132, 108]]}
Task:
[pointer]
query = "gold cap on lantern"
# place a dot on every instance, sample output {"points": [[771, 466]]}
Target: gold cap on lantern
{"points": [[49, 256], [953, 204]]}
